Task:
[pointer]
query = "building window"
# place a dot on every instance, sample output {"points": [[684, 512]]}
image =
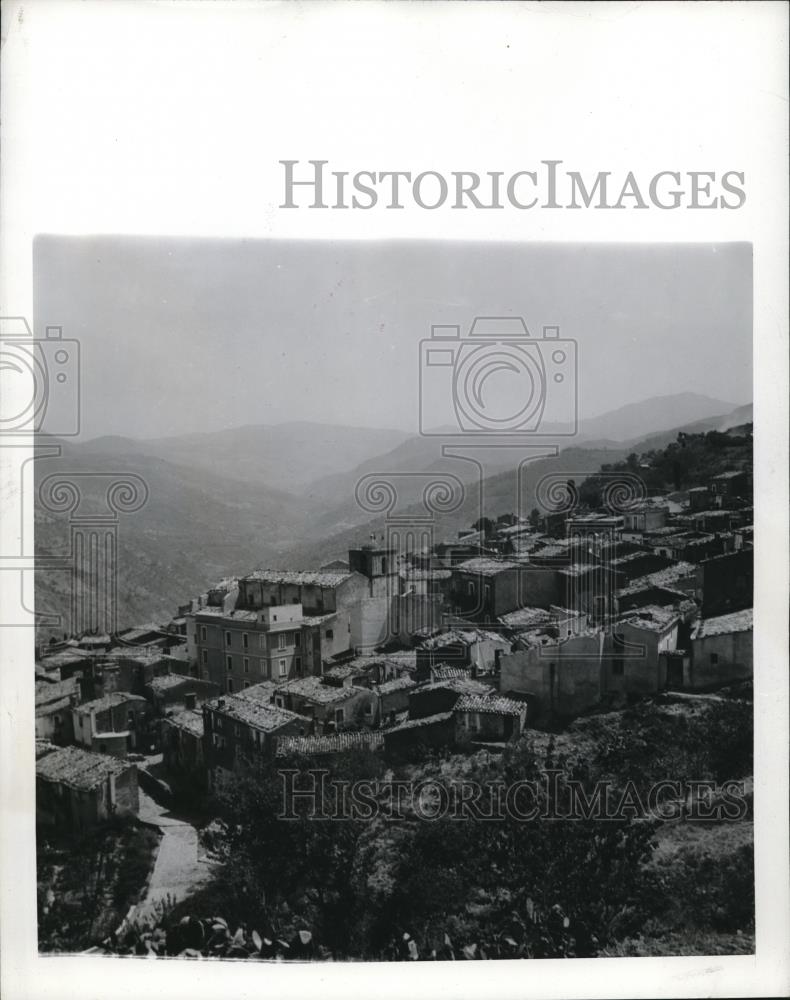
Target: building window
{"points": [[230, 685], [245, 640], [282, 640], [203, 634], [714, 659], [283, 668], [330, 633], [227, 638], [229, 662], [298, 664], [339, 716], [470, 589], [246, 685], [204, 656], [246, 662], [297, 640], [262, 641]]}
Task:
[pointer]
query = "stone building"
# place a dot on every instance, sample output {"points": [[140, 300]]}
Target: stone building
{"points": [[721, 650], [115, 724], [77, 789]]}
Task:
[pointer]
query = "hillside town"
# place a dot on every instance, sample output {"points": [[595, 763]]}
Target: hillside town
{"points": [[521, 624]]}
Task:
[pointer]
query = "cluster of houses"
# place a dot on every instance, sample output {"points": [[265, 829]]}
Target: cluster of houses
{"points": [[521, 623]]}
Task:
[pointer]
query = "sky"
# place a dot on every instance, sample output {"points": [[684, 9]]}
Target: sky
{"points": [[185, 335]]}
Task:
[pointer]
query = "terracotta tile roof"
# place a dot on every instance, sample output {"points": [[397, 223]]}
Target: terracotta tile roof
{"points": [[259, 692], [313, 689], [169, 681], [652, 617], [736, 621], [444, 672], [461, 685], [78, 768], [467, 637], [190, 721], [47, 693], [396, 684], [299, 578], [112, 700], [486, 567], [256, 714], [429, 720], [334, 743], [492, 705], [526, 617]]}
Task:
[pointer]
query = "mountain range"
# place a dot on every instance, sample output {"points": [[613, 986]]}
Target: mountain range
{"points": [[225, 502]]}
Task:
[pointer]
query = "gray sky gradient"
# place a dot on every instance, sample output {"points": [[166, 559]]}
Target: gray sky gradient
{"points": [[185, 335]]}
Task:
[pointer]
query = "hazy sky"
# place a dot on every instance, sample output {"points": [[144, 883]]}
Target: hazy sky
{"points": [[184, 335]]}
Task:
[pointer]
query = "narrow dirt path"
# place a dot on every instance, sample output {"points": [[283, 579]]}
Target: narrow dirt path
{"points": [[179, 871]]}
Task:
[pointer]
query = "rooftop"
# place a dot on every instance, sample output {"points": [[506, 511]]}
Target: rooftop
{"points": [[313, 689], [486, 567], [426, 574], [661, 578], [526, 618], [191, 721], [445, 672], [461, 685], [237, 614], [300, 578], [458, 635], [396, 684], [169, 681], [47, 693], [262, 692], [736, 621], [78, 768], [419, 723], [493, 705], [334, 743], [254, 713], [652, 617], [112, 700], [318, 619]]}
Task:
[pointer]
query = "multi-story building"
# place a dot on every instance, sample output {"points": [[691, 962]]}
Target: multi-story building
{"points": [[241, 726], [278, 625], [114, 724], [239, 648]]}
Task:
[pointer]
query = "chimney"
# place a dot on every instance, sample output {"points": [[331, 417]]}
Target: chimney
{"points": [[190, 700]]}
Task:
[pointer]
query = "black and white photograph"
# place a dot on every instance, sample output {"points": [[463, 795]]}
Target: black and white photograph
{"points": [[391, 591], [368, 661]]}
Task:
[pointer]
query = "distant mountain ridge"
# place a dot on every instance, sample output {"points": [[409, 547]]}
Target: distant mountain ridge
{"points": [[280, 456], [217, 505]]}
